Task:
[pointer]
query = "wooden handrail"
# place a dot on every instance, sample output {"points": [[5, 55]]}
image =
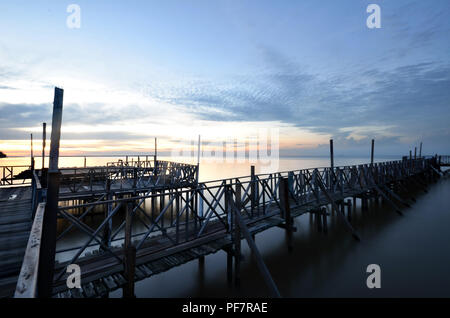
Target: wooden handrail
{"points": [[27, 283]]}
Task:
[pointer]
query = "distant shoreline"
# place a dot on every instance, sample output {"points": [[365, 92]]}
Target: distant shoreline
{"points": [[163, 155], [2, 155]]}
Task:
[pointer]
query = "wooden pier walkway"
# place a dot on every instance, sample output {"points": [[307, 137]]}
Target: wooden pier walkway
{"points": [[15, 226], [127, 221], [186, 221]]}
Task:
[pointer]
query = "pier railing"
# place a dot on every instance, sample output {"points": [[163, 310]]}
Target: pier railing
{"points": [[15, 175], [444, 161], [27, 283], [180, 215], [122, 175]]}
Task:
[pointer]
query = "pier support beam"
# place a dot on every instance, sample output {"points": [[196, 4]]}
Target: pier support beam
{"points": [[324, 220], [349, 210], [286, 211], [237, 256]]}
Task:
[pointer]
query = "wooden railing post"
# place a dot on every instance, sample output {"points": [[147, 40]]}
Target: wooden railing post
{"points": [[130, 254], [44, 137], [108, 227], [252, 189], [48, 247], [237, 242]]}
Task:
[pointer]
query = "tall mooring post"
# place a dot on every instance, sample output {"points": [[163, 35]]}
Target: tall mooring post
{"points": [[253, 189], [420, 150], [31, 152], [198, 160], [331, 164], [372, 152], [156, 149], [331, 155], [48, 243], [44, 137]]}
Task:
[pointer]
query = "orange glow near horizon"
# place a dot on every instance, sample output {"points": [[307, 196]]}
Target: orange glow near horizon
{"points": [[108, 147]]}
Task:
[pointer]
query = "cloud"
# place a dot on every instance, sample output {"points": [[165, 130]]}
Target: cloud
{"points": [[407, 100]]}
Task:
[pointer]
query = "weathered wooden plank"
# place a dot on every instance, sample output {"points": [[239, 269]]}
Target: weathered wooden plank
{"points": [[27, 282]]}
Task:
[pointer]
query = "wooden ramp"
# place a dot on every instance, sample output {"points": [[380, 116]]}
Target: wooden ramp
{"points": [[15, 226]]}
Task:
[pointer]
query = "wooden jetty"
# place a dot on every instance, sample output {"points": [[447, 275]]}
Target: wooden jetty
{"points": [[15, 226], [124, 222]]}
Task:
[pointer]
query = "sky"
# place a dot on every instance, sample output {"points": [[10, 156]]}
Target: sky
{"points": [[309, 70]]}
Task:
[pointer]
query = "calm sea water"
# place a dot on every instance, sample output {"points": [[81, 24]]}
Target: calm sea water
{"points": [[413, 250]]}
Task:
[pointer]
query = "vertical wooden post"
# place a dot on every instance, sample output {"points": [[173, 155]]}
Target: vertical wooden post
{"points": [[372, 152], [238, 195], [252, 189], [291, 181], [349, 210], [48, 242], [31, 152], [85, 162], [177, 209], [237, 246], [415, 153], [420, 150], [198, 155], [318, 218], [324, 220], [154, 205], [331, 165], [44, 137], [130, 254], [286, 211], [331, 155], [161, 205], [108, 227], [156, 150]]}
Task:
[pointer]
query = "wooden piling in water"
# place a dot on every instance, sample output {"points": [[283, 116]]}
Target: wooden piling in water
{"points": [[349, 210], [286, 211], [324, 220], [237, 254]]}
